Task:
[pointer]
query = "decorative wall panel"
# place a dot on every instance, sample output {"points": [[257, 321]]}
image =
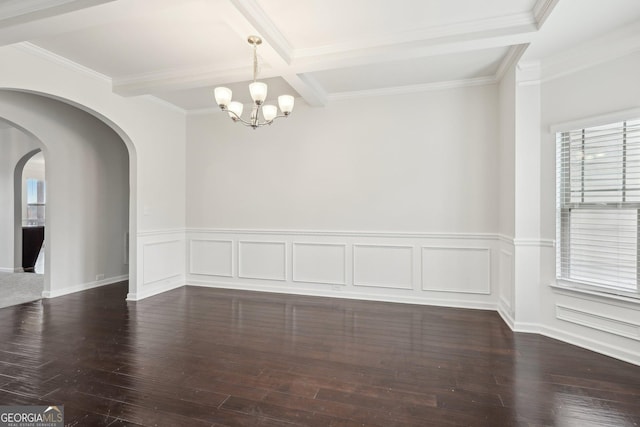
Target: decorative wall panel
{"points": [[383, 266], [262, 260], [319, 263], [451, 269], [211, 257]]}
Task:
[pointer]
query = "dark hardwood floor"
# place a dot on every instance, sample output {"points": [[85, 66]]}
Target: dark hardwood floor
{"points": [[205, 357]]}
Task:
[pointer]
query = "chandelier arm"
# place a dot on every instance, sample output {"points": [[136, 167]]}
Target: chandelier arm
{"points": [[276, 117], [252, 124], [237, 117]]}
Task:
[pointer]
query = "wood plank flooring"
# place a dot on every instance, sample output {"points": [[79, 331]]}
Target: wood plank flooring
{"points": [[206, 357]]}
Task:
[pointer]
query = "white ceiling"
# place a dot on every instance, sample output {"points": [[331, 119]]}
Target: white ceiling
{"points": [[318, 50]]}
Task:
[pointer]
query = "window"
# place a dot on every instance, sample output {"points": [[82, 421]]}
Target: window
{"points": [[598, 206], [35, 202]]}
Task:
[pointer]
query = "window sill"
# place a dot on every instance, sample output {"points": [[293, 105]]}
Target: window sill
{"points": [[570, 287]]}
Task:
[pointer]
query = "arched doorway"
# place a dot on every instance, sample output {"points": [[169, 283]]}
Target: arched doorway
{"points": [[17, 149], [88, 171]]}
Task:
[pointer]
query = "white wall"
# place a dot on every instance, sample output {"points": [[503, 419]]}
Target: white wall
{"points": [[604, 324], [381, 198], [88, 180], [14, 145], [424, 162]]}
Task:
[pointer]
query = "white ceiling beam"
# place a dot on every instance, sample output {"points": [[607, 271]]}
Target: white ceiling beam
{"points": [[264, 27], [509, 24], [303, 65], [616, 44], [308, 87], [415, 49], [542, 9], [278, 53], [15, 12], [29, 24]]}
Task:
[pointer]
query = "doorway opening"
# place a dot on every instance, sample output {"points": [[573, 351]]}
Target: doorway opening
{"points": [[21, 157], [33, 214]]}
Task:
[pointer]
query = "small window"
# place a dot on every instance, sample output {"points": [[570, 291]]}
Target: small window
{"points": [[598, 206]]}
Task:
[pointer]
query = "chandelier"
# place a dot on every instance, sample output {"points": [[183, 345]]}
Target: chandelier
{"points": [[258, 91]]}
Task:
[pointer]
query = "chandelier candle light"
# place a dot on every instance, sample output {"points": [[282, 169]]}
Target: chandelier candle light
{"points": [[258, 92]]}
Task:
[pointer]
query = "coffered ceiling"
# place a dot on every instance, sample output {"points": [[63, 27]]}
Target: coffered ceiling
{"points": [[318, 50]]}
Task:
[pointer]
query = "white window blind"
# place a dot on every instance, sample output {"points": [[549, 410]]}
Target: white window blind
{"points": [[598, 206]]}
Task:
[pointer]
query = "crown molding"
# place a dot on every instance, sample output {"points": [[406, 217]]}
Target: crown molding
{"points": [[470, 30], [400, 90], [36, 50], [182, 78], [542, 10], [617, 44], [510, 59]]}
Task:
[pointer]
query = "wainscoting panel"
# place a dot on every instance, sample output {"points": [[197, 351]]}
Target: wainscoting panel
{"points": [[348, 264], [162, 260], [383, 266], [456, 269], [319, 263], [262, 260], [161, 263], [599, 320], [211, 257]]}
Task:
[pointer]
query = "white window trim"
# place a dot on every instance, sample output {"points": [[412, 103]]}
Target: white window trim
{"points": [[582, 287], [585, 288]]}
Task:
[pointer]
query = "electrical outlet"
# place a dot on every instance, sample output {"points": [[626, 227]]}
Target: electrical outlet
{"points": [[99, 277]]}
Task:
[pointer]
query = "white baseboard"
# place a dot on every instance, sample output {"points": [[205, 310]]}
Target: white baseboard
{"points": [[503, 311], [155, 289], [592, 345], [526, 327], [409, 299], [84, 286]]}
